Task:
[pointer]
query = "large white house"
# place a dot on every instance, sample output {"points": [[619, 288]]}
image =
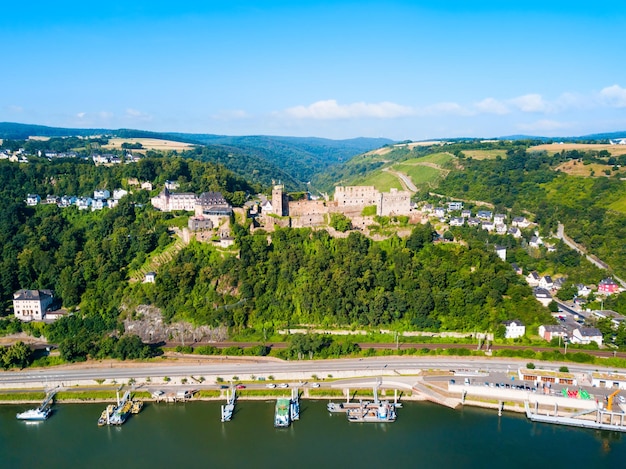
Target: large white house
{"points": [[586, 335], [31, 305], [514, 329]]}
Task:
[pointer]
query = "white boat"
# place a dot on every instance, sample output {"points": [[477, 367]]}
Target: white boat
{"points": [[35, 414]]}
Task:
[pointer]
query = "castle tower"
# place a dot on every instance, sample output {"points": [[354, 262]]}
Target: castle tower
{"points": [[279, 201]]}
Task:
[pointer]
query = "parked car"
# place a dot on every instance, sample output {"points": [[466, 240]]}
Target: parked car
{"points": [[283, 385], [241, 386], [270, 385], [315, 385]]}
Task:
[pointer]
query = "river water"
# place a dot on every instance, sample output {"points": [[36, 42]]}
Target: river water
{"points": [[191, 435]]}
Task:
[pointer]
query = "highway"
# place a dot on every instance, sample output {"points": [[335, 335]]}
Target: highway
{"points": [[231, 367]]}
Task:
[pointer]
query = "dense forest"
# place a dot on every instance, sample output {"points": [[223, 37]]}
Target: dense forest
{"points": [[308, 277]]}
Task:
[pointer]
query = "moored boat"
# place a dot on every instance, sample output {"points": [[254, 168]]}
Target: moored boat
{"points": [[35, 414], [282, 416]]}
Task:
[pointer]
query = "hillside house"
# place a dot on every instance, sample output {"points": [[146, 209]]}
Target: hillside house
{"points": [[520, 222], [608, 286], [499, 218], [583, 290], [101, 194], [31, 305], [150, 277], [550, 331], [515, 232], [501, 252], [484, 215], [514, 329], [457, 221], [517, 269], [533, 279], [473, 222], [535, 242], [440, 212], [53, 199], [32, 200], [83, 203], [586, 335], [501, 228], [466, 213], [542, 296], [546, 282], [453, 206], [119, 193], [488, 225]]}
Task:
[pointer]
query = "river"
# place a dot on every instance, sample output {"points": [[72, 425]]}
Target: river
{"points": [[191, 435]]}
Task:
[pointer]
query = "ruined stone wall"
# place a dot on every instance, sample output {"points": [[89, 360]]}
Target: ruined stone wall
{"points": [[395, 202], [356, 195]]}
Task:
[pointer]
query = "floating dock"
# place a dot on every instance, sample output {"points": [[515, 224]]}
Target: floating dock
{"points": [[118, 414], [603, 419], [365, 411], [229, 409]]}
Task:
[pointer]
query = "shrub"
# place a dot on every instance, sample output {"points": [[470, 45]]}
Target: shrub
{"points": [[530, 366]]}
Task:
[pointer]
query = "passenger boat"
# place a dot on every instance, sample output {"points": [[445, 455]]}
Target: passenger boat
{"points": [[40, 413], [282, 416]]}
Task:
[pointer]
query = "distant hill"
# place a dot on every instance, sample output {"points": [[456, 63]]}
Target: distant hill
{"points": [[292, 160]]}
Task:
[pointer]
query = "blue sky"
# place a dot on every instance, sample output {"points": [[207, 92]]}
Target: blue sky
{"points": [[336, 69]]}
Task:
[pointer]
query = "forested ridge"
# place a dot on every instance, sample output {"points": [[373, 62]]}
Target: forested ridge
{"points": [[308, 277]]}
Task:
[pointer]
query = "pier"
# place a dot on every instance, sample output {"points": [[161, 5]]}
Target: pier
{"points": [[228, 410]]}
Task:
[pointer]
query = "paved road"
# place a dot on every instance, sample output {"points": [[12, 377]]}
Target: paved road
{"points": [[386, 366]]}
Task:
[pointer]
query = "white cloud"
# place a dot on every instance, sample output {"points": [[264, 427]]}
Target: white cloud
{"points": [[17, 109], [81, 115], [491, 106], [330, 109], [543, 125], [530, 103], [614, 96]]}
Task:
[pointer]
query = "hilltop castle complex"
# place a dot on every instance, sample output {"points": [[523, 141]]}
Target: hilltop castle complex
{"points": [[348, 200]]}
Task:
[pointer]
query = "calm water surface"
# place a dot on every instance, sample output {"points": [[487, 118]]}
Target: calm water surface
{"points": [[191, 435]]}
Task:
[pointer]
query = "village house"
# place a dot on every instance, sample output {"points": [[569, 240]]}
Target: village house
{"points": [[514, 329], [150, 277], [616, 318], [586, 335], [484, 215], [535, 242], [549, 332], [31, 305], [488, 225], [98, 204], [501, 252], [608, 286], [517, 269], [453, 206], [466, 213], [546, 282], [83, 203], [53, 199], [515, 232], [32, 200], [501, 228], [542, 296], [520, 222], [101, 194], [473, 222], [499, 218], [583, 290], [440, 212], [533, 279], [457, 221], [168, 201]]}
